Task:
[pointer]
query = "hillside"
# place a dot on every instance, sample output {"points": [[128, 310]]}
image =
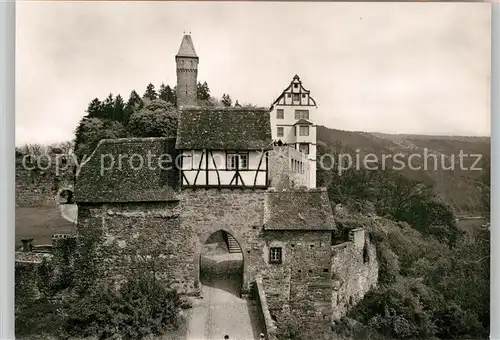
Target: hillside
{"points": [[458, 186]]}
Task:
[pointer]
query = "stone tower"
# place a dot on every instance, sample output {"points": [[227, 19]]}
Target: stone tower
{"points": [[187, 73]]}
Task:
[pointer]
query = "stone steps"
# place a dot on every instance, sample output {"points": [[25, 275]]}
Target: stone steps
{"points": [[232, 244]]}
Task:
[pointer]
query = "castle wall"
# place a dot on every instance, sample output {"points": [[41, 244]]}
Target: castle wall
{"points": [[300, 285], [39, 182], [314, 280], [354, 270], [171, 235], [284, 169]]}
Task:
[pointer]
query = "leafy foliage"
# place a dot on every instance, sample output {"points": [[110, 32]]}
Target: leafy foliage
{"points": [[152, 115], [156, 118], [396, 197], [226, 100], [433, 283], [140, 307], [203, 91]]}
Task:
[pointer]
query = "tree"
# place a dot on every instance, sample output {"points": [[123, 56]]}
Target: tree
{"points": [[203, 92], [91, 130], [167, 94], [150, 92], [108, 107], [95, 108], [119, 109], [157, 119], [226, 100], [134, 103]]}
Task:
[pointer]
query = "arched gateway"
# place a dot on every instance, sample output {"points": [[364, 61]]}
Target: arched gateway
{"points": [[202, 240]]}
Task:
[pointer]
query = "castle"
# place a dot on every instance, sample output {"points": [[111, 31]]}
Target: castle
{"points": [[249, 173]]}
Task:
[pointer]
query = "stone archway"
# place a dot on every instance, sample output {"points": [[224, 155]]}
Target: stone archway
{"points": [[65, 196], [202, 240]]}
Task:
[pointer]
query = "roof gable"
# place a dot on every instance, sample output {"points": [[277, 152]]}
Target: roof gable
{"points": [[289, 90], [224, 129]]}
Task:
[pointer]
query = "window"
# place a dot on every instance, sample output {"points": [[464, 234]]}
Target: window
{"points": [[243, 162], [187, 160], [295, 86], [280, 114], [295, 131], [296, 96], [304, 130], [303, 95], [237, 161], [301, 114], [288, 95], [275, 255], [281, 132], [304, 147]]}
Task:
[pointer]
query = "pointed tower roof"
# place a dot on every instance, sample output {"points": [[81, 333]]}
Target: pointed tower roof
{"points": [[187, 48]]}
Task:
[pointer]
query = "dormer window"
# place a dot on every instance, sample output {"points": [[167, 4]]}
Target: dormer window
{"points": [[295, 86]]}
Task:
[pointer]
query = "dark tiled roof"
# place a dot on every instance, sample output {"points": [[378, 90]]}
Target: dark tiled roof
{"points": [[298, 210], [302, 121], [187, 48], [129, 182], [224, 129]]}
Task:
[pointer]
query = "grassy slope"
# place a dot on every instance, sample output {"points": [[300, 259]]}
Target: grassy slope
{"points": [[457, 186]]}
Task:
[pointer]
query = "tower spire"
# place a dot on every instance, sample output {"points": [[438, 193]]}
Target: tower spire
{"points": [[187, 48]]}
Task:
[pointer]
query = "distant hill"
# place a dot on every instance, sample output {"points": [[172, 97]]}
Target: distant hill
{"points": [[459, 187]]}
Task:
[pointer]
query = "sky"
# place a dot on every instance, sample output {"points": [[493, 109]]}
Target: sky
{"points": [[412, 68]]}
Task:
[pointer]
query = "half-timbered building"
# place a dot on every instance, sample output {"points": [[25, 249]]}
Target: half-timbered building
{"points": [[224, 147]]}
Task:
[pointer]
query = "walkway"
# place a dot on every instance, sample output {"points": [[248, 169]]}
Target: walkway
{"points": [[222, 311]]}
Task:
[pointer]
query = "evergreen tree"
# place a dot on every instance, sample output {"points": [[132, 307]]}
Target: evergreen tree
{"points": [[119, 109], [134, 103], [94, 108], [171, 96], [162, 93], [203, 92], [108, 107], [226, 100], [167, 94], [150, 92]]}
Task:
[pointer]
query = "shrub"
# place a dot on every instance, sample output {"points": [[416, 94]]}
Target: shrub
{"points": [[140, 307]]}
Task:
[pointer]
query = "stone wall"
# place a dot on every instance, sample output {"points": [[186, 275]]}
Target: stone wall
{"points": [[36, 187], [37, 270], [301, 285], [171, 235], [284, 171], [263, 308], [314, 280], [354, 270]]}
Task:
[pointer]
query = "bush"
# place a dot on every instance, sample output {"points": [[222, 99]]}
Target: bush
{"points": [[140, 307]]}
